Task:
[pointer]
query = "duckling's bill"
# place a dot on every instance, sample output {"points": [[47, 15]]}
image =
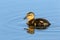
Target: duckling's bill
{"points": [[25, 18]]}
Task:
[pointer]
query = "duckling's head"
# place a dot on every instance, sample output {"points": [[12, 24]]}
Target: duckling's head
{"points": [[30, 16]]}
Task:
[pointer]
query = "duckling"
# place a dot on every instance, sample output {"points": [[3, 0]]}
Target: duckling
{"points": [[38, 23]]}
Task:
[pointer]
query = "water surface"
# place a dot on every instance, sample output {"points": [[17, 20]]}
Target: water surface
{"points": [[12, 24]]}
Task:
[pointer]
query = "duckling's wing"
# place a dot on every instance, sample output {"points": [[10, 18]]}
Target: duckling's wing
{"points": [[43, 21]]}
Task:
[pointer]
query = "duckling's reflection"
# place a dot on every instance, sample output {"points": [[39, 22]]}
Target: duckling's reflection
{"points": [[38, 23]]}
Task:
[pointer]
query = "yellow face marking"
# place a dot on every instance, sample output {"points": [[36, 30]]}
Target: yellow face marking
{"points": [[30, 16]]}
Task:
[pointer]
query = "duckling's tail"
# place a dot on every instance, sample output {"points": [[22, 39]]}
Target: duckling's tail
{"points": [[49, 24]]}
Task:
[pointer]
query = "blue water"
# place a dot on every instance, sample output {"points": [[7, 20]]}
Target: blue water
{"points": [[12, 24]]}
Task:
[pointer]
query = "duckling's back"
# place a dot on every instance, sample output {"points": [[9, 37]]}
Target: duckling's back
{"points": [[41, 23]]}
